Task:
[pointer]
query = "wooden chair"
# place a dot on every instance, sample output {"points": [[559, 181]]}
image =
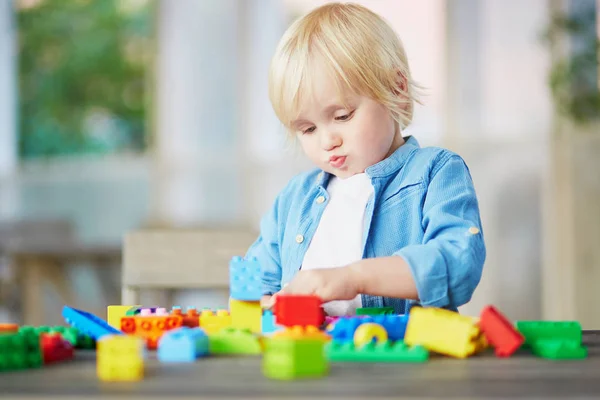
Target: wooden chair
{"points": [[169, 259], [40, 251]]}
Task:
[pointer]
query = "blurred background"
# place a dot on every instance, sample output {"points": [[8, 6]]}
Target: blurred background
{"points": [[118, 115]]}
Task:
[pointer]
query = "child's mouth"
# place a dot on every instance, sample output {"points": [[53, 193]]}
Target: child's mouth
{"points": [[337, 161]]}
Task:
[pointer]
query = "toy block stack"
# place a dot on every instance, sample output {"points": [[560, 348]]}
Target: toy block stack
{"points": [[297, 352], [373, 337], [555, 340], [245, 293]]}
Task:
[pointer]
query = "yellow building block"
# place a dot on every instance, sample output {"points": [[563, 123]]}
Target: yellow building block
{"points": [[246, 315], [444, 332], [120, 358], [302, 332], [115, 313], [213, 323]]}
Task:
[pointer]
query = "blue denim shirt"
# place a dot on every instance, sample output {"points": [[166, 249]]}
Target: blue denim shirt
{"points": [[424, 209]]}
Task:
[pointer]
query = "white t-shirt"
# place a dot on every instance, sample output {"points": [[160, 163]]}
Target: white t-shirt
{"points": [[338, 240]]}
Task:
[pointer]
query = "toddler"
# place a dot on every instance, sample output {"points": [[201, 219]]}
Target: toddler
{"points": [[380, 221]]}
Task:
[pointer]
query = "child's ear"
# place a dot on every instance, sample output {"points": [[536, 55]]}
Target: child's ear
{"points": [[401, 88]]}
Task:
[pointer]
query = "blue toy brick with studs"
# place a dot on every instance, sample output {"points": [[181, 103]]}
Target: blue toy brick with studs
{"points": [[244, 279]]}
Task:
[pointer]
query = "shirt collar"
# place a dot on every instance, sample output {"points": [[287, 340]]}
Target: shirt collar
{"points": [[395, 161], [385, 167]]}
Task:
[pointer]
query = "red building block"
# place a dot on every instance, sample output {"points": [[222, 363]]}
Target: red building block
{"points": [[291, 310], [500, 332], [55, 348]]}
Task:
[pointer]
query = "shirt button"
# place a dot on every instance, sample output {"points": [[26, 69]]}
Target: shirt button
{"points": [[473, 230], [299, 239], [320, 199]]}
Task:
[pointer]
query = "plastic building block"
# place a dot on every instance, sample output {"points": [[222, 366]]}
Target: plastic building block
{"points": [[120, 358], [234, 341], [268, 323], [246, 315], [191, 318], [443, 331], [115, 313], [132, 312], [78, 339], [375, 311], [157, 311], [558, 349], [20, 351], [244, 279], [55, 348], [369, 332], [288, 359], [182, 345], [344, 328], [499, 332], [302, 332], [8, 328], [88, 323], [387, 351], [151, 327], [212, 323], [303, 310], [560, 330]]}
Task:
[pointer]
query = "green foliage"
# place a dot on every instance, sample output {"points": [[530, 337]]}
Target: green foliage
{"points": [[574, 78], [82, 72]]}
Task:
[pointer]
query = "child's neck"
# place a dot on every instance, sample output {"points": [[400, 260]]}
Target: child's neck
{"points": [[396, 143]]}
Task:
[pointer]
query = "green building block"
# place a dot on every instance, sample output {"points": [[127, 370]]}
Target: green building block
{"points": [[20, 351], [133, 311], [288, 359], [386, 351], [234, 341], [72, 335], [375, 311], [559, 349], [538, 330]]}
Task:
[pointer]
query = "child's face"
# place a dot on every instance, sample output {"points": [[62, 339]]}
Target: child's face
{"points": [[344, 141]]}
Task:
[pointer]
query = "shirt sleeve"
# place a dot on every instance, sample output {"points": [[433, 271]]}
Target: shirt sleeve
{"points": [[447, 266], [266, 249]]}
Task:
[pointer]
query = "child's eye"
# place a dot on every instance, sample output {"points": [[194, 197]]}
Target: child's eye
{"points": [[309, 130], [345, 117]]}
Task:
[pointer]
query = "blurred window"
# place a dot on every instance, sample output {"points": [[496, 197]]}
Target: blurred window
{"points": [[84, 68]]}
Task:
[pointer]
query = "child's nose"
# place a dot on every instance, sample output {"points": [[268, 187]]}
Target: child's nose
{"points": [[330, 140]]}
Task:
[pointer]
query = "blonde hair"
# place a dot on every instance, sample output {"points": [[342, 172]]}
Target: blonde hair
{"points": [[359, 48]]}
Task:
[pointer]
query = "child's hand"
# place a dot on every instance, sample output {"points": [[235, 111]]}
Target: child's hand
{"points": [[329, 284]]}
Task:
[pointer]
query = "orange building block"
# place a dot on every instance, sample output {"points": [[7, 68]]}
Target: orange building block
{"points": [[9, 328], [191, 318], [151, 328]]}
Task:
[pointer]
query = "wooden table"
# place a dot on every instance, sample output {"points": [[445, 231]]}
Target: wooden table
{"points": [[484, 376]]}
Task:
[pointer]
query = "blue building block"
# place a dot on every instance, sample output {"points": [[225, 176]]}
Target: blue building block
{"points": [[182, 345], [268, 323], [88, 323], [395, 325], [244, 279]]}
